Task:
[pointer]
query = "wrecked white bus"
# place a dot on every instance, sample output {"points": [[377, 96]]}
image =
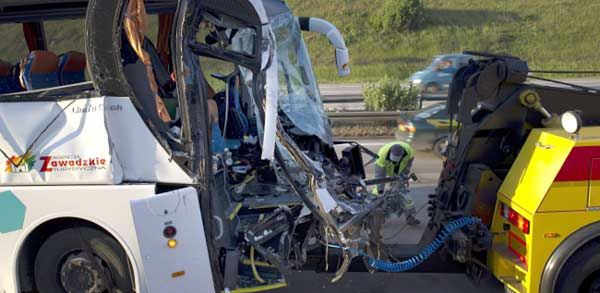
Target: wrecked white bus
{"points": [[202, 163]]}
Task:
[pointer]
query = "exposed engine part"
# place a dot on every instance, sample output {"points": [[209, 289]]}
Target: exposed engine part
{"points": [[278, 222]]}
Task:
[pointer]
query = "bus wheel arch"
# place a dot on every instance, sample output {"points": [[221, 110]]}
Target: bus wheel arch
{"points": [[570, 247], [28, 250]]}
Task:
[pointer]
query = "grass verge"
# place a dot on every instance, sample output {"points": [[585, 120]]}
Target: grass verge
{"points": [[555, 34], [364, 128]]}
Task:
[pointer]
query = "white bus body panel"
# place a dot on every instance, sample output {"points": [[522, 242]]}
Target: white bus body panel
{"points": [[77, 142], [185, 268], [142, 158], [56, 143], [110, 207]]}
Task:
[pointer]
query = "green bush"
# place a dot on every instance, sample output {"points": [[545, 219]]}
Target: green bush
{"points": [[399, 15], [389, 94]]}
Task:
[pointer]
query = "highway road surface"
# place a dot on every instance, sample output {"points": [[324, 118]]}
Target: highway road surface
{"points": [[427, 167]]}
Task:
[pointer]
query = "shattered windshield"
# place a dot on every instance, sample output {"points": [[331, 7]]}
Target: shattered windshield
{"points": [[299, 96]]}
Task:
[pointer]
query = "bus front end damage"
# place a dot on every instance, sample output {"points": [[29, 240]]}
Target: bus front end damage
{"points": [[280, 196]]}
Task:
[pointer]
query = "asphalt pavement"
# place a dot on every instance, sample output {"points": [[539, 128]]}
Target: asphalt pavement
{"points": [[427, 167]]}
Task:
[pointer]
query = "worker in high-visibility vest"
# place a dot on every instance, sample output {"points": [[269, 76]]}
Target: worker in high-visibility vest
{"points": [[396, 159]]}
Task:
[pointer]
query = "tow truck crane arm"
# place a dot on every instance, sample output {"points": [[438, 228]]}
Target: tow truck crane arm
{"points": [[497, 109]]}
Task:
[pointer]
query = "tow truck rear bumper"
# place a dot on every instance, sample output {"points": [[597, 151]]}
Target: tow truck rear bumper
{"points": [[508, 269]]}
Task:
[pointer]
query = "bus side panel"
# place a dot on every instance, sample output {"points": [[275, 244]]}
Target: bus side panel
{"points": [[172, 242], [106, 206]]}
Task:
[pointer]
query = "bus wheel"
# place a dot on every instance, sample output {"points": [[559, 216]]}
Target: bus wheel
{"points": [[82, 259], [581, 273]]}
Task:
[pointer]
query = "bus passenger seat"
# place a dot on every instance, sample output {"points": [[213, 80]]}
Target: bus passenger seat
{"points": [[71, 68], [39, 70], [7, 84]]}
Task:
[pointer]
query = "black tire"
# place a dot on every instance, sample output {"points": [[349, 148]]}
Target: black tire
{"points": [[439, 147], [111, 263], [581, 273]]}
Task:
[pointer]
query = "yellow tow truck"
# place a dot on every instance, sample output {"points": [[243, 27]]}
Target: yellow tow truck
{"points": [[526, 163], [546, 222]]}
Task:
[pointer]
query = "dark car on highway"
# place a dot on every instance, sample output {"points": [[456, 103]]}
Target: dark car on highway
{"points": [[427, 129], [435, 79]]}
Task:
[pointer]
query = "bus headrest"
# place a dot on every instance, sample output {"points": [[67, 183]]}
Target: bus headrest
{"points": [[71, 67], [39, 70]]}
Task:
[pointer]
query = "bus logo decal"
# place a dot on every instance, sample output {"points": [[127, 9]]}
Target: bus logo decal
{"points": [[20, 164], [72, 163]]}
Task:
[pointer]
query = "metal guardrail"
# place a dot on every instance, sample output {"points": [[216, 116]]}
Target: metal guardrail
{"points": [[344, 93], [432, 98], [353, 94], [332, 94], [360, 99], [334, 99], [369, 116]]}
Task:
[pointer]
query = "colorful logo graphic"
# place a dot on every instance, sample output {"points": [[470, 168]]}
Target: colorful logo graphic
{"points": [[57, 163], [20, 164]]}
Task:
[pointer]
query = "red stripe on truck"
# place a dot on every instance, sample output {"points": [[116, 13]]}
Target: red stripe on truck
{"points": [[578, 165]]}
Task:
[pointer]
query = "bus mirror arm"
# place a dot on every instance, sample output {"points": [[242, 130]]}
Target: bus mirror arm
{"points": [[321, 26]]}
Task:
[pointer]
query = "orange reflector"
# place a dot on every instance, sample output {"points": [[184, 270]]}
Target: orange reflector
{"points": [[551, 235], [523, 224], [517, 246], [178, 274], [172, 243]]}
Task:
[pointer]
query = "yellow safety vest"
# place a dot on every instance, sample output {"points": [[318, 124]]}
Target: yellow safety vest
{"points": [[390, 166]]}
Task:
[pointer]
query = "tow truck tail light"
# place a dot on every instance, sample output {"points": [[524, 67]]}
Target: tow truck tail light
{"points": [[514, 218]]}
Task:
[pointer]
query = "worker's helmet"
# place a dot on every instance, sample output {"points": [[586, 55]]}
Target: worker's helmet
{"points": [[396, 153]]}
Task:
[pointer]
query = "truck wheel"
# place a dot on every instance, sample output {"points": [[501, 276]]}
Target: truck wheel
{"points": [[62, 264], [440, 146], [581, 273]]}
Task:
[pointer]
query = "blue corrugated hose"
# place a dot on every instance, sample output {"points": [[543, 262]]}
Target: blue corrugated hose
{"points": [[413, 262]]}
